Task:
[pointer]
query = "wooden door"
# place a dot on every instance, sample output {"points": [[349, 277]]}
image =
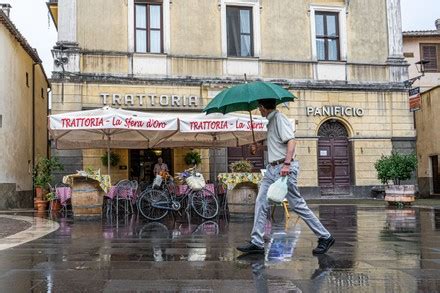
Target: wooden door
{"points": [[333, 159], [243, 152], [435, 174]]}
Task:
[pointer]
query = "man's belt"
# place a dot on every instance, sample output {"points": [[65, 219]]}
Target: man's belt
{"points": [[275, 163]]}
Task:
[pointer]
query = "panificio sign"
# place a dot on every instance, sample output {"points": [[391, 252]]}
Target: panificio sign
{"points": [[335, 111]]}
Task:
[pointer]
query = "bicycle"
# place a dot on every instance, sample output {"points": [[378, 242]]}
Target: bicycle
{"points": [[155, 204]]}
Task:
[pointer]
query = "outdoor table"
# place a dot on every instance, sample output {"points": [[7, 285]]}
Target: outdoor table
{"points": [[88, 191], [125, 193], [242, 190], [63, 194]]}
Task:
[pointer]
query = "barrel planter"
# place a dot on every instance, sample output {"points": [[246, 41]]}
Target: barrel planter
{"points": [[400, 194], [241, 200], [87, 198]]}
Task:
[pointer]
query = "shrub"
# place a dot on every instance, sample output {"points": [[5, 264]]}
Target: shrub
{"points": [[193, 158], [395, 167], [42, 173], [114, 159]]}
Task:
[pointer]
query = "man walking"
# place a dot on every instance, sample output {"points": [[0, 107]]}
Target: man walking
{"points": [[281, 150]]}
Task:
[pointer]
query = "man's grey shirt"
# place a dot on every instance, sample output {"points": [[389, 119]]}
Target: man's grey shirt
{"points": [[279, 132]]}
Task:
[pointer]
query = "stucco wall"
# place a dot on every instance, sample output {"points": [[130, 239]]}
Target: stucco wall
{"points": [[412, 45], [16, 112], [428, 140], [285, 30], [102, 25], [367, 32], [195, 28]]}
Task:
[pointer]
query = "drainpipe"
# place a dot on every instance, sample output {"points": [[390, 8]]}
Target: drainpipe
{"points": [[49, 143], [33, 120]]}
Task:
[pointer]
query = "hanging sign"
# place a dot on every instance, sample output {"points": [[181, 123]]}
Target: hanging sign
{"points": [[414, 99]]}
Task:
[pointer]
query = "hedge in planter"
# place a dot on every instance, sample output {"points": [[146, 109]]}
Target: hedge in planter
{"points": [[396, 168]]}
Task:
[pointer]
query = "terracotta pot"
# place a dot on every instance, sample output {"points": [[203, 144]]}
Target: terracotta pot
{"points": [[55, 206], [38, 192], [40, 205]]}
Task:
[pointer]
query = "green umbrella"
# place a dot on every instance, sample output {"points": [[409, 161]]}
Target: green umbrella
{"points": [[245, 97]]}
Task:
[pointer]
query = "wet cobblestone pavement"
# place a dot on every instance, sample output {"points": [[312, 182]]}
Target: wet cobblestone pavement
{"points": [[376, 250]]}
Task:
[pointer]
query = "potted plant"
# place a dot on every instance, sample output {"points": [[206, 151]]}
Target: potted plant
{"points": [[242, 166], [396, 168], [114, 159], [55, 205], [193, 158], [42, 174]]}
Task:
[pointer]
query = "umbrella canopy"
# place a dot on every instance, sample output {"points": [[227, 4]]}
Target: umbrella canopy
{"points": [[215, 130], [109, 128], [244, 97]]}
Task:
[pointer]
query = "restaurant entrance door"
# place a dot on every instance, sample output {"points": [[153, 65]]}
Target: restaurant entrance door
{"points": [[142, 163]]}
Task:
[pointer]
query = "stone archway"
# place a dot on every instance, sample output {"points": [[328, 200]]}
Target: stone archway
{"points": [[334, 175]]}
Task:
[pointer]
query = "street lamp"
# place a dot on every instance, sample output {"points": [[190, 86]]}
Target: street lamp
{"points": [[60, 62], [420, 66]]}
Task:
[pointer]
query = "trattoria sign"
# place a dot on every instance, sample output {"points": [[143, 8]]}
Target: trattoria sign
{"points": [[150, 100], [335, 111]]}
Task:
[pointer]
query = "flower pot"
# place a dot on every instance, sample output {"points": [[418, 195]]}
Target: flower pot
{"points": [[400, 194], [55, 206], [39, 192], [40, 205]]}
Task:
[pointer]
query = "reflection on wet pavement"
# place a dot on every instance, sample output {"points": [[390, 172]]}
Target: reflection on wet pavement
{"points": [[376, 250]]}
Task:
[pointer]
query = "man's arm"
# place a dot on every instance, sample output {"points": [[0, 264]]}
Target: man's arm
{"points": [[291, 145]]}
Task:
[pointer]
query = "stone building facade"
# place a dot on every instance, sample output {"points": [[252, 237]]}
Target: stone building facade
{"points": [[428, 143], [423, 45], [23, 114], [342, 59]]}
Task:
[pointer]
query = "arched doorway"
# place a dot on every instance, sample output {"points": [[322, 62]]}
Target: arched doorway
{"points": [[333, 158]]}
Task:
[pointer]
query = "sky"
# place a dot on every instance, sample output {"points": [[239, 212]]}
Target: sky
{"points": [[32, 19]]}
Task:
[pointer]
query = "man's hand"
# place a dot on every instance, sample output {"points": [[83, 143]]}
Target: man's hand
{"points": [[285, 170]]}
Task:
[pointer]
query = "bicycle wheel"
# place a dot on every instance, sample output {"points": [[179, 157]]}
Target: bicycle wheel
{"points": [[204, 203], [146, 205]]}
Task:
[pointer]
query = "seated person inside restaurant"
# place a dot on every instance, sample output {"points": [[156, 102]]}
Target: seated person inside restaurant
{"points": [[159, 167]]}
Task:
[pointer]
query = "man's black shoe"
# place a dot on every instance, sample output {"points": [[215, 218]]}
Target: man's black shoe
{"points": [[250, 248], [324, 245]]}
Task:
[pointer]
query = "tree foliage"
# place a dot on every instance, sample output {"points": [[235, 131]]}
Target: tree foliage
{"points": [[395, 167]]}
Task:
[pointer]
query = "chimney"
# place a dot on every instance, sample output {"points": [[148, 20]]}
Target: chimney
{"points": [[6, 8], [437, 24]]}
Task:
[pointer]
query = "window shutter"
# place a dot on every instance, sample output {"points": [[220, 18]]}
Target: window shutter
{"points": [[429, 53]]}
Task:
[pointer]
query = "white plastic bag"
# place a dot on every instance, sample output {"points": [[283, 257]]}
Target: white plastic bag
{"points": [[277, 191], [196, 182], [157, 181]]}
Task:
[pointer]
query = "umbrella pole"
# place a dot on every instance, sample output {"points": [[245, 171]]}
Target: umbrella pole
{"points": [[252, 127], [108, 155]]}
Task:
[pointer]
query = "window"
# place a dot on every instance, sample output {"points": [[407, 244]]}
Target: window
{"points": [[239, 31], [27, 79], [430, 52], [42, 93], [327, 36], [148, 27]]}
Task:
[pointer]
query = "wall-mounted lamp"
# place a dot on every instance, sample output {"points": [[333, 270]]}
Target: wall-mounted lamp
{"points": [[420, 66], [60, 61]]}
